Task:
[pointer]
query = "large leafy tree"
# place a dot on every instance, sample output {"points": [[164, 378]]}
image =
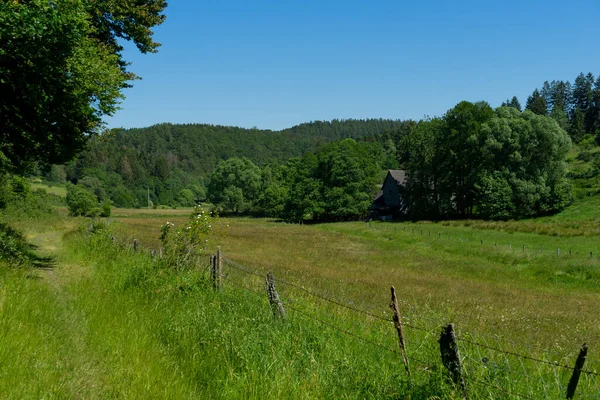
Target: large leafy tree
{"points": [[234, 184], [499, 164], [62, 70], [462, 157]]}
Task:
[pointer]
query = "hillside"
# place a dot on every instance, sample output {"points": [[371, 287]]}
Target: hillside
{"points": [[169, 158]]}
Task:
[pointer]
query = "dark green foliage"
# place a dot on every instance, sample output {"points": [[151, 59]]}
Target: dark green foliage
{"points": [[337, 183], [536, 103], [61, 71], [168, 158], [575, 107], [13, 246], [18, 200], [461, 144], [81, 201], [105, 210], [497, 165], [234, 184], [514, 103]]}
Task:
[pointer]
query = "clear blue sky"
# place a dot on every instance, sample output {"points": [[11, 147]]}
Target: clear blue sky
{"points": [[277, 64]]}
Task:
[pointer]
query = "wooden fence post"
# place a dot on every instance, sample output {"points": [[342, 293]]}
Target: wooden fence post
{"points": [[153, 252], [577, 372], [219, 268], [276, 304], [451, 357], [135, 245], [398, 324], [213, 270], [558, 252]]}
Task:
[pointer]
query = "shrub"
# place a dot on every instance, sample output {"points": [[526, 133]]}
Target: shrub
{"points": [[183, 247], [105, 210], [80, 201], [13, 246]]}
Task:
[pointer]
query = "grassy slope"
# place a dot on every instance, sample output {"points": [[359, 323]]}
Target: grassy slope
{"points": [[58, 190]]}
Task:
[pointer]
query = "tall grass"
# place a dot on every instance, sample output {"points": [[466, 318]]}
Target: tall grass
{"points": [[167, 334]]}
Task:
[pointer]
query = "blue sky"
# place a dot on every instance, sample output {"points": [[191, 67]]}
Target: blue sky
{"points": [[277, 64]]}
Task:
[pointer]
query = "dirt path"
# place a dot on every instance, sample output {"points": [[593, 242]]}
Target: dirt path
{"points": [[85, 381]]}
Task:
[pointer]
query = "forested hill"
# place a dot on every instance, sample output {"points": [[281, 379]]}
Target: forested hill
{"points": [[168, 158]]}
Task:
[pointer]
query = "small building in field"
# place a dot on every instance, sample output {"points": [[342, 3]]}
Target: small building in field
{"points": [[389, 203]]}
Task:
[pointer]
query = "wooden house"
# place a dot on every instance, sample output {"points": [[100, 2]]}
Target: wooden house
{"points": [[390, 203]]}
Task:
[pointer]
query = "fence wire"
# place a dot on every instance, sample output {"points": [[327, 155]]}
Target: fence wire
{"points": [[537, 362]]}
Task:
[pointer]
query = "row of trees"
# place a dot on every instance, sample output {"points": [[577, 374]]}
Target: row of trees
{"points": [[472, 162], [336, 183], [480, 162], [575, 107], [173, 160]]}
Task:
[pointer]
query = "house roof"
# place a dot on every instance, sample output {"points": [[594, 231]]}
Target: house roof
{"points": [[399, 175]]}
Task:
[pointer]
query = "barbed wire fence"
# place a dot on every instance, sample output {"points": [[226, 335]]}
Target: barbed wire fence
{"points": [[489, 367]]}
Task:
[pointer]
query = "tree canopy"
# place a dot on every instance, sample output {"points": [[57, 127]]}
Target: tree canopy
{"points": [[62, 70], [476, 162]]}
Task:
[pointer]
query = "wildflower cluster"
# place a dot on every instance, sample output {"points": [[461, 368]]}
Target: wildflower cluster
{"points": [[182, 247]]}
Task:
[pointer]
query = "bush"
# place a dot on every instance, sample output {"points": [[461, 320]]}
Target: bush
{"points": [[184, 246], [80, 201], [13, 246], [105, 210]]}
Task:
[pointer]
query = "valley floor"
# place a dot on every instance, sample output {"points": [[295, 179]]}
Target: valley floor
{"points": [[95, 320]]}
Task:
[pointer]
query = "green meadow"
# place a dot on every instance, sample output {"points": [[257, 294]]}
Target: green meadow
{"points": [[94, 319]]}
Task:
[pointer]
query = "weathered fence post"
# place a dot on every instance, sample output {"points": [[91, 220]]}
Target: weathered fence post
{"points": [[276, 304], [153, 252], [510, 246], [213, 270], [398, 324], [219, 268], [135, 245], [577, 372], [558, 252], [451, 357]]}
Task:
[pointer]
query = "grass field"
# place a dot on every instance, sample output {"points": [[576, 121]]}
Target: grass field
{"points": [[60, 191], [102, 321], [476, 276]]}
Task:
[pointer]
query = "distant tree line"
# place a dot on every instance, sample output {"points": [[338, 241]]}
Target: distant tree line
{"points": [[336, 183], [574, 106], [479, 162], [172, 162], [473, 162]]}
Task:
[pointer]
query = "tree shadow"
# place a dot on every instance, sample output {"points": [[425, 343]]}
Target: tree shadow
{"points": [[37, 261]]}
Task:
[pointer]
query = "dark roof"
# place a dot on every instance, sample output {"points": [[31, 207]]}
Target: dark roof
{"points": [[399, 175]]}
